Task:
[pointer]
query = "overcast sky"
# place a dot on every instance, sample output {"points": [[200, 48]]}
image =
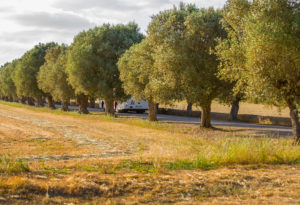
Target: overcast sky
{"points": [[25, 23]]}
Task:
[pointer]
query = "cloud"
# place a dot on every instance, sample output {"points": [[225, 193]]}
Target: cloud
{"points": [[121, 5], [6, 9], [36, 35], [63, 21], [26, 23]]}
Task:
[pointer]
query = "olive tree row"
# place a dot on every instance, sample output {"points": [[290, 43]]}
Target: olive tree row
{"points": [[26, 71], [86, 69], [92, 61], [262, 51], [175, 61]]}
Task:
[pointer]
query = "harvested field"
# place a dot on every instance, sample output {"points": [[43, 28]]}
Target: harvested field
{"points": [[54, 158]]}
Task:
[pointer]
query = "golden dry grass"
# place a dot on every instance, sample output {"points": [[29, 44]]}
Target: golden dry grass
{"points": [[94, 159], [245, 108]]}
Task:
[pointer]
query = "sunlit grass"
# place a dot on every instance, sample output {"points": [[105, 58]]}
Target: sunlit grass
{"points": [[9, 165], [240, 151], [95, 115], [174, 149]]}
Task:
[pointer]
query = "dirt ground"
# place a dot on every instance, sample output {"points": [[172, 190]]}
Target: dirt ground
{"points": [[65, 152]]}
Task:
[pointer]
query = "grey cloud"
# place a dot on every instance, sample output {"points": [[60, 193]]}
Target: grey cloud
{"points": [[55, 21], [121, 5], [34, 36], [6, 9]]}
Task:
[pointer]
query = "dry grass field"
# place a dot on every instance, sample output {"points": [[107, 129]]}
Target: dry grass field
{"points": [[245, 108], [51, 157]]}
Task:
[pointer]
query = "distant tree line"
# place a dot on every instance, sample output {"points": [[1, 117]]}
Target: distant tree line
{"points": [[249, 50]]}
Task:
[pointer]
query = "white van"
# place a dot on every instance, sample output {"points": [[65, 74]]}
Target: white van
{"points": [[132, 105]]}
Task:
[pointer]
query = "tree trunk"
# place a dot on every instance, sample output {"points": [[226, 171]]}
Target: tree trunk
{"points": [[51, 103], [152, 110], [92, 102], [294, 114], [40, 102], [64, 105], [109, 107], [189, 109], [205, 116], [83, 102], [23, 100], [30, 101], [234, 110]]}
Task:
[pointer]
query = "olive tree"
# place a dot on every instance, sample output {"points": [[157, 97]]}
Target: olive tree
{"points": [[52, 77], [184, 38], [269, 52], [25, 75], [93, 57], [231, 54], [137, 75], [7, 85], [272, 46]]}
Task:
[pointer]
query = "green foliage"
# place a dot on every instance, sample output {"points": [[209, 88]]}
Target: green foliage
{"points": [[262, 49], [93, 57], [231, 52], [185, 38], [52, 77], [8, 87], [272, 46], [27, 70], [136, 71]]}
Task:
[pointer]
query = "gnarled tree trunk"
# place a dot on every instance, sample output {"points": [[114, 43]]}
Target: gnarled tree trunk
{"points": [[30, 101], [109, 107], [23, 100], [205, 116], [92, 102], [152, 110], [189, 109], [65, 105], [294, 114], [51, 103], [83, 102], [234, 110], [40, 102]]}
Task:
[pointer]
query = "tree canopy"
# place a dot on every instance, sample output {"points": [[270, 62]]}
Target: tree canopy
{"points": [[93, 57], [52, 77], [25, 76], [138, 75], [184, 38], [8, 87]]}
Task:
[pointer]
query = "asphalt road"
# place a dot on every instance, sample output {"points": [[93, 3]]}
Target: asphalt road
{"points": [[268, 129]]}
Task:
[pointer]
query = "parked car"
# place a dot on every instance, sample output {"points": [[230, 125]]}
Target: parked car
{"points": [[132, 105]]}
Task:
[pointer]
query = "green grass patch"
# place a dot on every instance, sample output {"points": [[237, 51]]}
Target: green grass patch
{"points": [[47, 170], [138, 166], [9, 165], [222, 152]]}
